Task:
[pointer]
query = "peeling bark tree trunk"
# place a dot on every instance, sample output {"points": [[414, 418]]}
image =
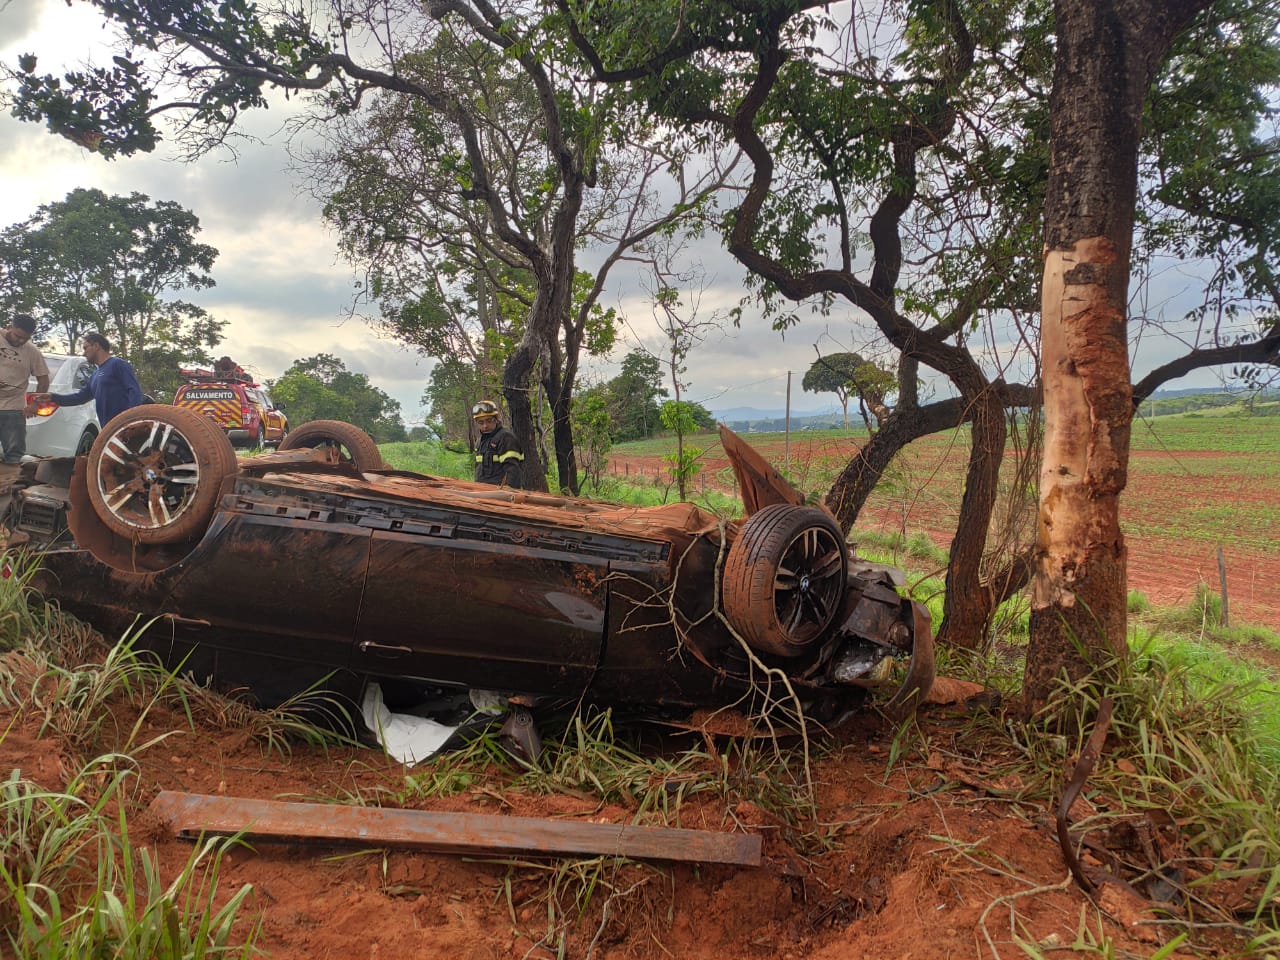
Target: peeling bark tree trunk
{"points": [[1107, 55]]}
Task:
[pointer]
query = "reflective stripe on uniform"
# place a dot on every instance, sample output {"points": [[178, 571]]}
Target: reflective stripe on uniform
{"points": [[509, 455]]}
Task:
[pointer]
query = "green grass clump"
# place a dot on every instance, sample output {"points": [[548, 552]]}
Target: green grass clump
{"points": [[431, 457], [1137, 602], [27, 619], [73, 885], [314, 717], [1201, 758], [1201, 618], [921, 547], [878, 543]]}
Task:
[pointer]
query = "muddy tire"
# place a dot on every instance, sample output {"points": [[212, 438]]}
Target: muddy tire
{"points": [[785, 578], [155, 473], [355, 446], [85, 443]]}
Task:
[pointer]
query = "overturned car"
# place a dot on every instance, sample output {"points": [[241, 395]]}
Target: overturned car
{"points": [[317, 559]]}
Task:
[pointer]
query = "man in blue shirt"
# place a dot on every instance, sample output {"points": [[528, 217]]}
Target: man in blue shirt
{"points": [[113, 387]]}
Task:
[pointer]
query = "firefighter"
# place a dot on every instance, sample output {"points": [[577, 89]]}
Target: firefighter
{"points": [[498, 454]]}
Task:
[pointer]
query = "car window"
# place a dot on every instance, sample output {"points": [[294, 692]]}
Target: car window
{"points": [[53, 363], [81, 377]]}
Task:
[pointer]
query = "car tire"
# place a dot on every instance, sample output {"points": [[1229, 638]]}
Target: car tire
{"points": [[260, 441], [355, 446], [785, 578], [155, 473], [85, 444]]}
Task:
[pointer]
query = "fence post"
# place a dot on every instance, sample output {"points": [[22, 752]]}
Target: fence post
{"points": [[1222, 583]]}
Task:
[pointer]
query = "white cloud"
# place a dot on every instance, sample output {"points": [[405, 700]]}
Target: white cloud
{"points": [[286, 295]]}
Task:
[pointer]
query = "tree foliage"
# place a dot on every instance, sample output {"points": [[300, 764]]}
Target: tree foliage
{"points": [[632, 396], [322, 388], [899, 163], [594, 431], [522, 133], [452, 389], [678, 416], [848, 374], [109, 263]]}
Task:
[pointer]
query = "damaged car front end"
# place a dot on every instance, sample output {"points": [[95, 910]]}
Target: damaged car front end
{"points": [[317, 560]]}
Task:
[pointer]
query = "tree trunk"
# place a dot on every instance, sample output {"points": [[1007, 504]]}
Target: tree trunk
{"points": [[517, 378], [562, 408], [1107, 54], [551, 306], [562, 421], [968, 605]]}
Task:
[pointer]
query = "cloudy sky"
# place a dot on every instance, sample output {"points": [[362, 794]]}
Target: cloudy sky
{"points": [[285, 293]]}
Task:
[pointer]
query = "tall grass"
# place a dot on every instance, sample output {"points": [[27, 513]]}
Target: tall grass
{"points": [[428, 456], [1188, 753], [74, 702], [73, 884], [28, 620]]}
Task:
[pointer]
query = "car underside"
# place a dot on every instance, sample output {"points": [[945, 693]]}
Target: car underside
{"points": [[318, 560]]}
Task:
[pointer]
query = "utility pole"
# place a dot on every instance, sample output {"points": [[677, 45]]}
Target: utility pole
{"points": [[786, 443]]}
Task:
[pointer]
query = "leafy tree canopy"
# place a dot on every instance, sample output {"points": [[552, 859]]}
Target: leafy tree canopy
{"points": [[322, 388], [519, 134], [849, 374], [107, 263], [632, 397]]}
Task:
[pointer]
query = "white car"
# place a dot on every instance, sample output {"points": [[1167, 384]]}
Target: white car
{"points": [[57, 431]]}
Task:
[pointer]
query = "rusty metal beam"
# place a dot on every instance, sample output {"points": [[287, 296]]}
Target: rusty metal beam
{"points": [[190, 815]]}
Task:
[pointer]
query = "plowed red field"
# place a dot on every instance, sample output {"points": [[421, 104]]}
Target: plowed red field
{"points": [[1182, 504]]}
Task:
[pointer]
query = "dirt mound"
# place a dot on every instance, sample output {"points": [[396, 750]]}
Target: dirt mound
{"points": [[920, 859]]}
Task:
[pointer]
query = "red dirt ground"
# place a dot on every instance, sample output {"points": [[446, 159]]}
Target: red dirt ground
{"points": [[931, 857], [929, 861], [1167, 570]]}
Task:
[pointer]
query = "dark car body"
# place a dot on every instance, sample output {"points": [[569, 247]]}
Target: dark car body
{"points": [[311, 567]]}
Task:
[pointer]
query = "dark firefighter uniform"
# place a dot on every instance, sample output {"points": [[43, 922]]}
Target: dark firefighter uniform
{"points": [[498, 458]]}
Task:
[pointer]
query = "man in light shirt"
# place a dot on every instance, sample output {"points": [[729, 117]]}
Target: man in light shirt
{"points": [[19, 362]]}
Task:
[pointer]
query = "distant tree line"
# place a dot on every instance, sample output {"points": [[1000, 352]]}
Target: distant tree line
{"points": [[322, 388], [115, 264]]}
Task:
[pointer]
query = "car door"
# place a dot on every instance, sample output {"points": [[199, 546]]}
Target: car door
{"points": [[275, 420], [61, 431], [481, 600], [274, 577]]}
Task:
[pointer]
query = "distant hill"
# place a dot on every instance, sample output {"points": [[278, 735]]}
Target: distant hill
{"points": [[773, 420], [1193, 392], [755, 413]]}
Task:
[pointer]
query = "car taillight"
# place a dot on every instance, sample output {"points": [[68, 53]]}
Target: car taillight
{"points": [[44, 409]]}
